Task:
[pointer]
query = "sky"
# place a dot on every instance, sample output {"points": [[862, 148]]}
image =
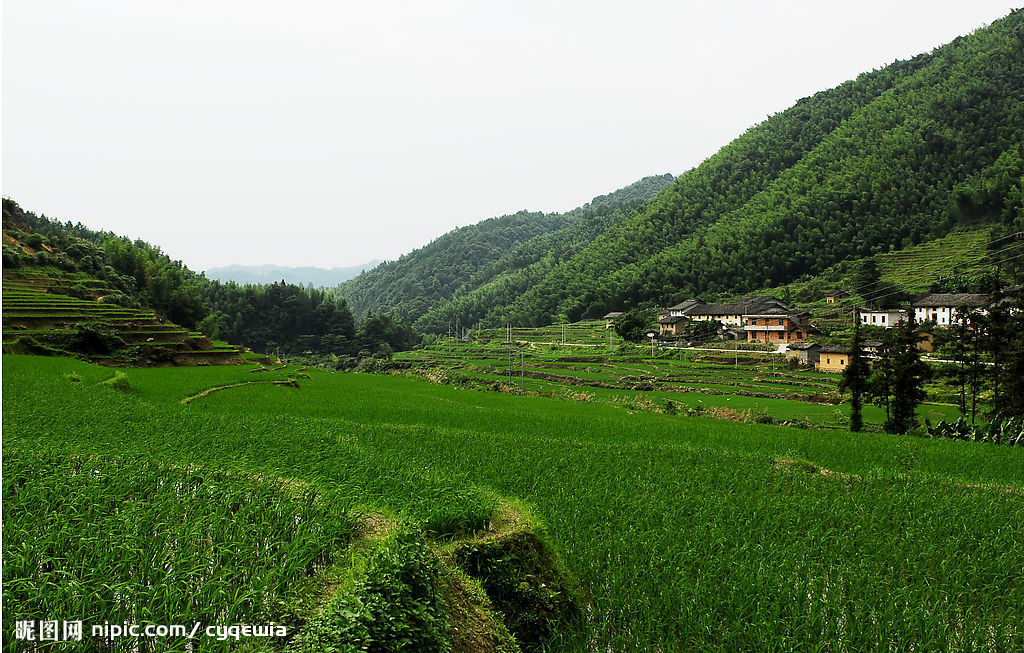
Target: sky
{"points": [[332, 133]]}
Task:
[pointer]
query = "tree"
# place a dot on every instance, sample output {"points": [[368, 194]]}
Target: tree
{"points": [[855, 379], [634, 325], [899, 377]]}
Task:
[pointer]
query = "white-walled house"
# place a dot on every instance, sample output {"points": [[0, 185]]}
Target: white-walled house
{"points": [[887, 318], [941, 308]]}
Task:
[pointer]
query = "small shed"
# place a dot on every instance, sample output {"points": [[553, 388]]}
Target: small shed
{"points": [[805, 352]]}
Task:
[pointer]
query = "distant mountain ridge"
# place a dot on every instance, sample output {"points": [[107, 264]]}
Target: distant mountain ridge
{"points": [[303, 276]]}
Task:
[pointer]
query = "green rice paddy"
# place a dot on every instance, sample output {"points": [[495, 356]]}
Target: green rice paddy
{"points": [[682, 532]]}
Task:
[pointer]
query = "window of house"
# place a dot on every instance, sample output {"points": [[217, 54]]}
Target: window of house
{"points": [[781, 322], [873, 319], [883, 319], [828, 361]]}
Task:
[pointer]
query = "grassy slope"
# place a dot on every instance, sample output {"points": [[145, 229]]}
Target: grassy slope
{"points": [[684, 532]]}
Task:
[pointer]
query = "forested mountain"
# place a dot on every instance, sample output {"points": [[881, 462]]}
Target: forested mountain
{"points": [[279, 317], [468, 257], [301, 276], [896, 157]]}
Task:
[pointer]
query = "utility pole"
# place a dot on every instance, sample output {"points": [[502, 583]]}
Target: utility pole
{"points": [[522, 371]]}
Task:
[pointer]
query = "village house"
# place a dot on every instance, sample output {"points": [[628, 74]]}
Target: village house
{"points": [[871, 348], [680, 310], [778, 326], [832, 358], [834, 297], [611, 317], [730, 313], [671, 325], [805, 352], [941, 308], [887, 318], [926, 342]]}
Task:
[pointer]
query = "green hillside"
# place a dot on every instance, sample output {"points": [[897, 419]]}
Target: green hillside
{"points": [[51, 306], [895, 158], [469, 257]]}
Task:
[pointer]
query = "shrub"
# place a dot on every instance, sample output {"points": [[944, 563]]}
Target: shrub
{"points": [[396, 606]]}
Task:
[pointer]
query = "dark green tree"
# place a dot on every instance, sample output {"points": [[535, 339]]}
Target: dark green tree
{"points": [[901, 376], [634, 325], [856, 379]]}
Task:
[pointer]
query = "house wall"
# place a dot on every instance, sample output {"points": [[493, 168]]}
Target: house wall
{"points": [[736, 320], [887, 319], [942, 315], [805, 356], [832, 362], [669, 329]]}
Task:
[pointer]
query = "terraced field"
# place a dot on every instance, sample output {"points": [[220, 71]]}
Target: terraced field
{"points": [[736, 384], [681, 532], [38, 309]]}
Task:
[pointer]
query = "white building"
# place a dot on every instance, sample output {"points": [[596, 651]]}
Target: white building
{"points": [[941, 308], [886, 318]]}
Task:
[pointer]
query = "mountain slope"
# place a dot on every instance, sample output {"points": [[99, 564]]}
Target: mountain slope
{"points": [[896, 157], [468, 257]]}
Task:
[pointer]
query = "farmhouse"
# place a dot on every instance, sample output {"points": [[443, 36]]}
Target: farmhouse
{"points": [[727, 313], [777, 325], [671, 326], [833, 358], [805, 352], [871, 348], [941, 308], [611, 317], [834, 296], [681, 309], [887, 318]]}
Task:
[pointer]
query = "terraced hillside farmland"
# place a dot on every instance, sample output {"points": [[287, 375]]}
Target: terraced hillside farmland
{"points": [[962, 254], [741, 384], [682, 533], [47, 309]]}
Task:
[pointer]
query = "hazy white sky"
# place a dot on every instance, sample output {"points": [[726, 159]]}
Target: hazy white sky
{"points": [[331, 133]]}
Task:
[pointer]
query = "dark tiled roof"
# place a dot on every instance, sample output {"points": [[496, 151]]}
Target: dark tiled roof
{"points": [[613, 315], [744, 306], [835, 349], [804, 345], [672, 320], [689, 303], [864, 309], [952, 299]]}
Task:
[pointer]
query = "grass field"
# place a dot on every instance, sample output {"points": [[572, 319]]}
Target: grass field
{"points": [[683, 533]]}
